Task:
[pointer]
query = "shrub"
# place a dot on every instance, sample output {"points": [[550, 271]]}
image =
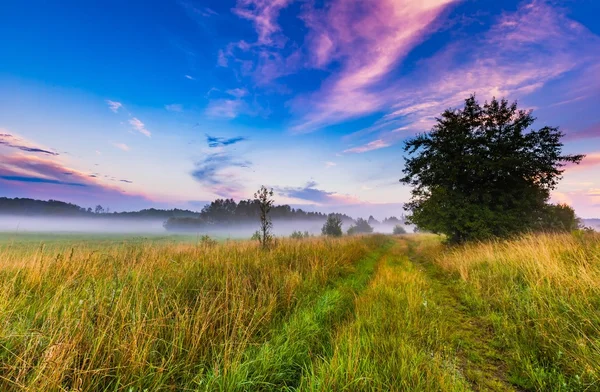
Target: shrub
{"points": [[399, 229], [333, 226], [298, 235], [360, 227]]}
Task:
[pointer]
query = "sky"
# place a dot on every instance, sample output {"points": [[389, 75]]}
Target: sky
{"points": [[175, 103]]}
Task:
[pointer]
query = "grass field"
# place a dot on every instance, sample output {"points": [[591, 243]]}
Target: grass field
{"points": [[374, 313]]}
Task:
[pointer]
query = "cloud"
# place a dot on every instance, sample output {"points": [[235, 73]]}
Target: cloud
{"points": [[25, 175], [174, 107], [212, 172], [263, 14], [229, 108], [114, 105], [374, 145], [126, 181], [237, 92], [16, 142], [189, 77], [368, 39], [139, 126], [214, 141], [498, 63], [590, 160], [39, 180], [122, 146], [309, 192], [330, 164], [588, 133]]}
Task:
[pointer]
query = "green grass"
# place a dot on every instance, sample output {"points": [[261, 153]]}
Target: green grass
{"points": [[372, 313]]}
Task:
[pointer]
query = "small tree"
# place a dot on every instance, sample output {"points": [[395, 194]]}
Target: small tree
{"points": [[399, 229], [264, 198], [360, 227], [332, 226], [99, 209]]}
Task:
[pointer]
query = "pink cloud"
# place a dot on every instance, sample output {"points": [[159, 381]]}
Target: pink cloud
{"points": [[369, 39], [496, 64], [122, 146], [114, 105], [139, 126], [263, 14], [590, 160], [27, 175], [588, 133], [374, 145]]}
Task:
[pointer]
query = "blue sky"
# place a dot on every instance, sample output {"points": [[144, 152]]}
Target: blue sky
{"points": [[174, 103]]}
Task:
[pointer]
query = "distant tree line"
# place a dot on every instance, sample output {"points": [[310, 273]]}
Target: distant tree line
{"points": [[32, 207], [229, 212]]}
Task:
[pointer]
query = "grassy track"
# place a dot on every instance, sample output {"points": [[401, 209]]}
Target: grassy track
{"points": [[278, 363], [409, 334]]}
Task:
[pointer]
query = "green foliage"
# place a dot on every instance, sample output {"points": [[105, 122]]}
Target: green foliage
{"points": [[559, 217], [206, 240], [256, 236], [264, 198], [332, 226], [482, 172], [360, 227], [399, 229], [298, 235]]}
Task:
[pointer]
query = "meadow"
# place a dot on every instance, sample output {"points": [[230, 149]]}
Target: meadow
{"points": [[359, 313]]}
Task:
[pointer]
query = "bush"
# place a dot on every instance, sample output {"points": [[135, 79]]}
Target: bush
{"points": [[559, 217], [333, 226], [399, 229], [206, 240], [361, 227], [298, 235]]}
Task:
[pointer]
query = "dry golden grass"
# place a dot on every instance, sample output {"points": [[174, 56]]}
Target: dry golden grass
{"points": [[150, 315], [542, 295]]}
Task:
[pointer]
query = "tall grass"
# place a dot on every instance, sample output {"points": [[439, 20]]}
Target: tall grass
{"points": [[399, 340], [541, 294], [154, 316]]}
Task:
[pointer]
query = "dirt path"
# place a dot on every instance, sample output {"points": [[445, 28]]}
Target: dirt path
{"points": [[481, 362]]}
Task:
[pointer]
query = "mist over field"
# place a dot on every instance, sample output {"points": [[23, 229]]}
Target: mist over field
{"points": [[112, 225]]}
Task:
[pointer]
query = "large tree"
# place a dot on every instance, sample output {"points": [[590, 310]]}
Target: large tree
{"points": [[482, 172]]}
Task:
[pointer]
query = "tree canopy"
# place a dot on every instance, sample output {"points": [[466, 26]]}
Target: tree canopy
{"points": [[482, 172]]}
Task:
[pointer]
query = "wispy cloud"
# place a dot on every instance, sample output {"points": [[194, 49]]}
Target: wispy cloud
{"points": [[213, 171], [189, 77], [139, 126], [369, 40], [309, 192], [329, 164], [17, 142], [499, 63], [39, 180], [174, 107], [263, 14], [374, 145], [588, 133], [215, 141], [122, 146], [229, 108], [114, 105], [237, 92], [27, 175], [590, 160]]}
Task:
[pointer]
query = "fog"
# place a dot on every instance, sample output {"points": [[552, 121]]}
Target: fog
{"points": [[112, 225]]}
